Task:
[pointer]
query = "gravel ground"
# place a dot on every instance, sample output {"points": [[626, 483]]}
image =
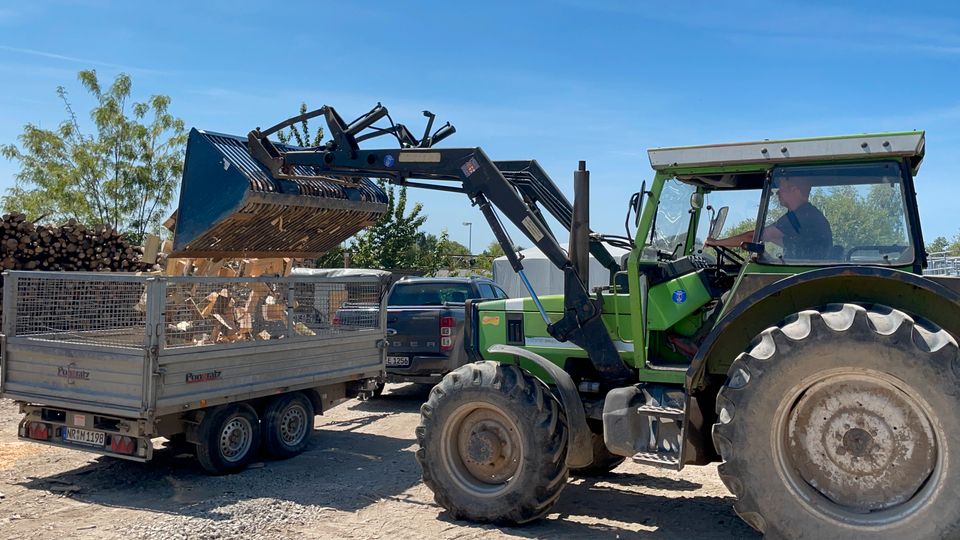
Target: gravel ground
{"points": [[358, 479]]}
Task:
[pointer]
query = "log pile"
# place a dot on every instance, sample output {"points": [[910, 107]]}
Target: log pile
{"points": [[71, 246]]}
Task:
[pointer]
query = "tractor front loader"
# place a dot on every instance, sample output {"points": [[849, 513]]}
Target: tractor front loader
{"points": [[823, 377]]}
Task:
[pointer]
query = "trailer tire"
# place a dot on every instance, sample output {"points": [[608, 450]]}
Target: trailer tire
{"points": [[493, 444], [229, 437], [287, 425], [603, 460], [840, 423]]}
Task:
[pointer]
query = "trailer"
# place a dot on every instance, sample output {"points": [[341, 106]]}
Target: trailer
{"points": [[106, 362]]}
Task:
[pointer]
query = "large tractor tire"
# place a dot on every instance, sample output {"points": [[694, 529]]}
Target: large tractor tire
{"points": [[603, 460], [843, 423], [493, 444]]}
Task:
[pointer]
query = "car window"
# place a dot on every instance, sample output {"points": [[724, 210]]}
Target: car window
{"points": [[429, 294], [500, 293], [486, 291]]}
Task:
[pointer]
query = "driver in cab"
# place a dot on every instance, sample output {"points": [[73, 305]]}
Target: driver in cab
{"points": [[803, 232]]}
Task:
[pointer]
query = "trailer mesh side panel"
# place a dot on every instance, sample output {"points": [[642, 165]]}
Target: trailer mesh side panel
{"points": [[234, 312], [98, 311]]}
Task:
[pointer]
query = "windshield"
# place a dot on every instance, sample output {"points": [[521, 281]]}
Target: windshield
{"points": [[672, 220], [743, 206], [836, 214], [429, 294]]}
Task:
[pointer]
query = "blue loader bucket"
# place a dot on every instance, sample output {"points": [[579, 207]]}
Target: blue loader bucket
{"points": [[231, 207]]}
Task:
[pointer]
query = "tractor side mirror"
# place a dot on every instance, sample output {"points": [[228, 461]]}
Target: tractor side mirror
{"points": [[639, 204], [717, 226]]}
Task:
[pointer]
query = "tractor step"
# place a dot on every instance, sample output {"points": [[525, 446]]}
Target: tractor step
{"points": [[646, 421], [666, 413], [664, 461]]}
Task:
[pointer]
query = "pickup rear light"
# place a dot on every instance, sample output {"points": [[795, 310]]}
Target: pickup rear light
{"points": [[447, 324], [38, 430], [122, 445]]}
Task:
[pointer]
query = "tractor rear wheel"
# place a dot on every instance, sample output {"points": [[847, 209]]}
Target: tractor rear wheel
{"points": [[841, 423], [493, 444]]}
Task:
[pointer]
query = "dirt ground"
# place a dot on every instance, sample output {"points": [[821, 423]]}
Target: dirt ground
{"points": [[358, 479]]}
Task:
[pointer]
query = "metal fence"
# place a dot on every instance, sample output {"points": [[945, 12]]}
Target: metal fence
{"points": [[941, 264], [122, 310]]}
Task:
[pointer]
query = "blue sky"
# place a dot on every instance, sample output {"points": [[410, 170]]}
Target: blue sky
{"points": [[554, 81]]}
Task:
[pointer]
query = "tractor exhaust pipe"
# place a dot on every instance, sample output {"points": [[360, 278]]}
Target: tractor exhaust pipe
{"points": [[579, 249]]}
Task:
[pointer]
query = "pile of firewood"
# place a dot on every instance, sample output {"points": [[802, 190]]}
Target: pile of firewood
{"points": [[71, 246]]}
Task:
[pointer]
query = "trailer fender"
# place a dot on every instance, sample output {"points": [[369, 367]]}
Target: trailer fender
{"points": [[911, 293], [579, 445]]}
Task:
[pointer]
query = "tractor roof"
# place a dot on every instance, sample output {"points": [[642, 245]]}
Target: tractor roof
{"points": [[700, 163]]}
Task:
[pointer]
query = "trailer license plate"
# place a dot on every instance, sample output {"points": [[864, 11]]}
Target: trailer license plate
{"points": [[83, 436], [398, 361]]}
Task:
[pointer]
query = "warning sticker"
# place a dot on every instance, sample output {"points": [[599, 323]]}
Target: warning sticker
{"points": [[470, 167], [532, 228], [489, 320]]}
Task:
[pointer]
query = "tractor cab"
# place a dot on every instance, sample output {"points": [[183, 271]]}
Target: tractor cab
{"points": [[731, 211]]}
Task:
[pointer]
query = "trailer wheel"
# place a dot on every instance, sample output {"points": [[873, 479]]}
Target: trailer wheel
{"points": [[493, 444], [603, 460], [287, 424], [229, 437], [842, 423]]}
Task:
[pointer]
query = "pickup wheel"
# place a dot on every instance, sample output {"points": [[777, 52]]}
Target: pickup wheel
{"points": [[841, 423], [229, 437], [493, 444], [287, 424], [603, 460]]}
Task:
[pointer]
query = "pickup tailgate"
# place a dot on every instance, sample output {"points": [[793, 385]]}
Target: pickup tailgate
{"points": [[414, 329]]}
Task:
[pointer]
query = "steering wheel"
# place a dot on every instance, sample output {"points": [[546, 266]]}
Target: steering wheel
{"points": [[731, 254]]}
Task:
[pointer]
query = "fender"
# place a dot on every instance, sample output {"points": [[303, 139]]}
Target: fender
{"points": [[579, 446], [906, 291]]}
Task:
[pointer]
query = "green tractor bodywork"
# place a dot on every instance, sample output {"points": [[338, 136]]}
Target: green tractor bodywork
{"points": [[646, 319]]}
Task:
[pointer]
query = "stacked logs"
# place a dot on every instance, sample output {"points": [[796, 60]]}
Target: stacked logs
{"points": [[71, 246]]}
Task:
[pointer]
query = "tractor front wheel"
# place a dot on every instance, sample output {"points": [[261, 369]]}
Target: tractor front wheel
{"points": [[841, 423], [493, 444]]}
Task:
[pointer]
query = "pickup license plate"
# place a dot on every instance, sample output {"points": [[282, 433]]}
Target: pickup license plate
{"points": [[398, 361], [84, 436]]}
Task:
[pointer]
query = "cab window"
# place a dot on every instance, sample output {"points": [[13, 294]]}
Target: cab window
{"points": [[672, 221], [833, 214]]}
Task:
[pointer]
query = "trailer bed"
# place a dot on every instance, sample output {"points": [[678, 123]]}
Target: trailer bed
{"points": [[142, 347]]}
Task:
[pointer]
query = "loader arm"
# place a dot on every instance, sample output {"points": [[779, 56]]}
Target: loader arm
{"points": [[512, 187]]}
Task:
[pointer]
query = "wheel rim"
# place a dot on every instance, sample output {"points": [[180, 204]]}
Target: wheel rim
{"points": [[293, 425], [235, 439], [859, 447], [482, 449]]}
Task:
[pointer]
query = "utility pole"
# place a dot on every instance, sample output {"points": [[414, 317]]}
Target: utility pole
{"points": [[469, 226]]}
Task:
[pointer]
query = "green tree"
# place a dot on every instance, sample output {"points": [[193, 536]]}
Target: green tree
{"points": [[124, 174], [300, 135], [393, 241], [873, 218], [939, 244]]}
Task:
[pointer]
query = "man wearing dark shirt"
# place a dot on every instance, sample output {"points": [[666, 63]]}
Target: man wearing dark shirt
{"points": [[803, 231]]}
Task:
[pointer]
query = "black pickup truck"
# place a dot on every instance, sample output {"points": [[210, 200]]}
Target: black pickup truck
{"points": [[425, 325]]}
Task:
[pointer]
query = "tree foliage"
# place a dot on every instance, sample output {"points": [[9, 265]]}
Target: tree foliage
{"points": [[300, 135], [123, 174], [872, 217], [395, 240]]}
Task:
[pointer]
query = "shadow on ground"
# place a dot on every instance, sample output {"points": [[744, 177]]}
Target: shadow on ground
{"points": [[348, 469]]}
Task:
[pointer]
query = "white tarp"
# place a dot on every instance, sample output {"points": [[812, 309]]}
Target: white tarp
{"points": [[543, 275]]}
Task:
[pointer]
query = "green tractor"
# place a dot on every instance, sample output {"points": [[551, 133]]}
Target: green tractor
{"points": [[802, 348], [807, 353]]}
